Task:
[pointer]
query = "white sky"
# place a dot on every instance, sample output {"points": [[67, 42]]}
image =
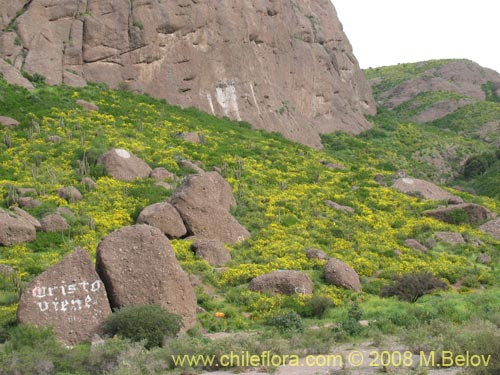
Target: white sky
{"points": [[387, 32]]}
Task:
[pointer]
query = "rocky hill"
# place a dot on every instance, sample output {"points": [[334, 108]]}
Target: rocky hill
{"points": [[283, 66]]}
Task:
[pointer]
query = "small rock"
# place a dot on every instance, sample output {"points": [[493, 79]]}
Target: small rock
{"points": [[217, 169], [165, 217], [380, 179], [282, 282], [53, 139], [213, 251], [364, 323], [455, 200], [492, 228], [123, 165], [452, 238], [190, 165], [476, 214], [66, 213], [89, 183], [425, 189], [339, 273], [192, 137], [26, 192], [87, 105], [397, 253], [316, 254], [7, 270], [430, 243], [475, 242], [484, 259], [70, 193], [8, 122], [334, 166], [165, 185], [415, 245], [161, 174], [339, 207], [54, 223]]}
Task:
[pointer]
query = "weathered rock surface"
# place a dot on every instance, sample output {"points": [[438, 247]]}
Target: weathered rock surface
{"points": [[244, 60], [70, 193], [123, 165], [165, 217], [12, 75], [452, 238], [339, 273], [28, 202], [8, 122], [69, 297], [492, 227], [138, 266], [425, 189], [89, 183], [26, 216], [484, 259], [190, 165], [213, 251], [282, 282], [339, 207], [15, 229], [26, 192], [193, 137], [316, 254], [54, 223], [204, 200], [415, 245], [161, 174], [476, 214], [87, 105]]}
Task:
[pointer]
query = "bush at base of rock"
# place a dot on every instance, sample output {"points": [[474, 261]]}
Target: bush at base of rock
{"points": [[150, 323], [290, 321], [412, 286]]}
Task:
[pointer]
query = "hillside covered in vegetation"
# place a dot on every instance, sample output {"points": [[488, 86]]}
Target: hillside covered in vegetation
{"points": [[281, 188]]}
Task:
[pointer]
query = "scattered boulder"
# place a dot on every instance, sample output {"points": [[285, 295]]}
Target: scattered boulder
{"points": [[28, 202], [87, 105], [339, 207], [69, 297], [7, 270], [192, 137], [26, 216], [282, 282], [89, 183], [474, 213], [54, 223], [380, 179], [484, 259], [123, 165], [70, 193], [165, 185], [66, 213], [425, 189], [165, 217], [54, 139], [340, 274], [15, 229], [26, 192], [213, 251], [161, 174], [203, 201], [316, 254], [13, 75], [452, 238], [492, 228], [8, 122], [138, 266], [430, 243], [455, 200], [415, 245], [333, 166], [190, 165]]}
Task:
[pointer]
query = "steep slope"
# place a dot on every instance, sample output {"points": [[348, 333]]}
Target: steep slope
{"points": [[283, 66]]}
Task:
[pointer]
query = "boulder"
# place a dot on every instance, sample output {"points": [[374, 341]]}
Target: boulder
{"points": [[452, 238], [70, 193], [87, 105], [8, 122], [69, 297], [213, 251], [15, 229], [54, 223], [316, 254], [192, 137], [339, 207], [138, 267], [492, 228], [190, 165], [165, 217], [474, 213], [123, 165], [28, 202], [415, 245], [340, 274], [161, 174], [54, 139], [165, 185], [26, 192], [13, 75], [89, 183], [484, 259], [282, 282], [26, 216], [203, 201], [425, 189]]}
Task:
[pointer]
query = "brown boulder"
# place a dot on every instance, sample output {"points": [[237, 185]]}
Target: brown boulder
{"points": [[415, 245], [28, 202], [492, 227], [213, 251], [138, 266], [54, 223], [192, 137], [123, 165], [339, 273], [475, 213], [26, 216], [26, 192], [282, 282], [13, 76], [69, 297], [15, 229], [425, 189], [161, 173], [452, 238], [339, 207], [70, 193], [204, 200], [190, 165], [89, 183], [87, 105], [165, 217], [316, 254], [483, 259], [8, 122]]}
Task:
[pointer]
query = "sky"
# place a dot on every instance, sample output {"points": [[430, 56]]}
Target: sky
{"points": [[388, 32]]}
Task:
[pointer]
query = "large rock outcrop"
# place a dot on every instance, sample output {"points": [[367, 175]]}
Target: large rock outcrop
{"points": [[69, 297], [280, 65], [138, 266], [282, 282]]}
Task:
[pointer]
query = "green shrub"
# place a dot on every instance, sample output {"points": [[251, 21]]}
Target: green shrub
{"points": [[318, 306], [412, 286], [290, 321], [457, 216], [351, 324], [150, 323]]}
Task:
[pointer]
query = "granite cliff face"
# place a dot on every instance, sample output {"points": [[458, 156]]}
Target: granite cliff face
{"points": [[283, 66]]}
